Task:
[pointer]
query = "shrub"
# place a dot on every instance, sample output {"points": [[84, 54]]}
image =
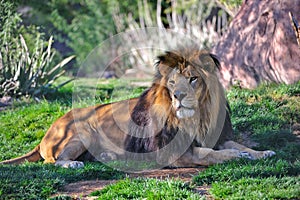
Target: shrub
{"points": [[81, 25], [25, 71]]}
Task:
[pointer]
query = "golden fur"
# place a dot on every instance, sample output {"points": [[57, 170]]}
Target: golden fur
{"points": [[181, 120]]}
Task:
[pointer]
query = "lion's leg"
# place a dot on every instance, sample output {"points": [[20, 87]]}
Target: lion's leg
{"points": [[71, 152], [207, 156], [253, 154]]}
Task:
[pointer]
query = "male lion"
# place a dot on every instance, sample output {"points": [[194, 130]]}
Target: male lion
{"points": [[182, 120]]}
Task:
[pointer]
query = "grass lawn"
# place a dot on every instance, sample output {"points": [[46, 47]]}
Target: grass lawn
{"points": [[268, 115]]}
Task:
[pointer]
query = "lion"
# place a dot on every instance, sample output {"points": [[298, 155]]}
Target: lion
{"points": [[181, 120]]}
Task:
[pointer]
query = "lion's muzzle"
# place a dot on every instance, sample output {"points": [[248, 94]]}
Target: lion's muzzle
{"points": [[183, 109]]}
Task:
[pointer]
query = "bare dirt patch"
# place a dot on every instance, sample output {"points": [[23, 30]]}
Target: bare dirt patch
{"points": [[81, 190]]}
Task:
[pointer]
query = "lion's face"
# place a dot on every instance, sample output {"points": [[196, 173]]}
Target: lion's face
{"points": [[185, 80], [184, 88]]}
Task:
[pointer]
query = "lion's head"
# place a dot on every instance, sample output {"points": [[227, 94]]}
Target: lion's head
{"points": [[186, 97], [186, 75]]}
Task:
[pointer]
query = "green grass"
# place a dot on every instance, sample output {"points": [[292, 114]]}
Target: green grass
{"points": [[235, 170], [267, 108], [267, 114], [258, 188], [142, 188], [24, 125], [39, 181]]}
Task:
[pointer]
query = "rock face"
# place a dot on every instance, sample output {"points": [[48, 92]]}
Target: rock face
{"points": [[260, 45]]}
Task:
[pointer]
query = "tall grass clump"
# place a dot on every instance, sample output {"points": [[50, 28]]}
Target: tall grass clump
{"points": [[26, 70]]}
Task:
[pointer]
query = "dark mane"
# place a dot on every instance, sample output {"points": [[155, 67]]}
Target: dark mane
{"points": [[143, 136]]}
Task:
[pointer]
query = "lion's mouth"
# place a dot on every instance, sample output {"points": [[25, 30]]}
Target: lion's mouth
{"points": [[182, 107], [184, 112]]}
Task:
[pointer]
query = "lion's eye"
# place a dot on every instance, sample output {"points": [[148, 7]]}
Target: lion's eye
{"points": [[171, 82], [193, 80]]}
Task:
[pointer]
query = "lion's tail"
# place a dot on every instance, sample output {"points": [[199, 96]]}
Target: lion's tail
{"points": [[32, 156]]}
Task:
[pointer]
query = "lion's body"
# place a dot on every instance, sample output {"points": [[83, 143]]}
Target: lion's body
{"points": [[181, 120]]}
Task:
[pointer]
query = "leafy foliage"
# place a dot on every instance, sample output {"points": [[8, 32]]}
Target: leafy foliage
{"points": [[25, 71], [88, 27], [82, 25]]}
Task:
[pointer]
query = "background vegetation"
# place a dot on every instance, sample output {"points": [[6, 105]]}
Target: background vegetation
{"points": [[26, 59], [78, 26]]}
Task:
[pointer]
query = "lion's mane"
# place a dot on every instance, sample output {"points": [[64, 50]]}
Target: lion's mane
{"points": [[154, 123]]}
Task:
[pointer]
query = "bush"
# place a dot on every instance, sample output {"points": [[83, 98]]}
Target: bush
{"points": [[86, 26], [23, 70], [82, 25]]}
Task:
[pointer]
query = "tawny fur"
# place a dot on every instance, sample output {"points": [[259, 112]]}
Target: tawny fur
{"points": [[185, 107]]}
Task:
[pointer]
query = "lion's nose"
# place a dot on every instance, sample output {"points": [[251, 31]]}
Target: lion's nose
{"points": [[179, 95]]}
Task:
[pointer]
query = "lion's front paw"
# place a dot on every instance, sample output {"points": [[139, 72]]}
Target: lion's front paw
{"points": [[107, 156], [268, 153], [69, 164], [262, 154], [245, 154], [257, 154]]}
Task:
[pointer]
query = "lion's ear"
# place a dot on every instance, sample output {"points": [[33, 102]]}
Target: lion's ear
{"points": [[163, 69], [216, 60], [209, 62], [167, 62]]}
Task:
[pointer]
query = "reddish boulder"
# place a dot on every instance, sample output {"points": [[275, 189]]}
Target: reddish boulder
{"points": [[260, 44]]}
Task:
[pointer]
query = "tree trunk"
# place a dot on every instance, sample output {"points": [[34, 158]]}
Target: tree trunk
{"points": [[260, 45]]}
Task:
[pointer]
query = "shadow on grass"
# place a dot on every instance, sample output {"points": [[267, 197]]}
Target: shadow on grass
{"points": [[39, 181]]}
